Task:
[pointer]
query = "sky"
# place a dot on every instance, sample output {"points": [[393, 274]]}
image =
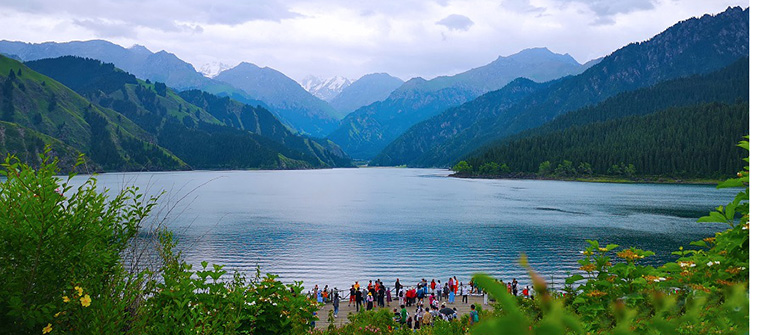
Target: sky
{"points": [[326, 38]]}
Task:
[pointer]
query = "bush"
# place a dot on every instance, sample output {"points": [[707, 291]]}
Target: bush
{"points": [[59, 244], [70, 263]]}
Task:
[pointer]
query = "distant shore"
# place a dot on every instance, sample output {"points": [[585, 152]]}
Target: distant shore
{"points": [[597, 179]]}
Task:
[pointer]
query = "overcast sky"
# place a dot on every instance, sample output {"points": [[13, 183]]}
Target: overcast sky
{"points": [[350, 38]]}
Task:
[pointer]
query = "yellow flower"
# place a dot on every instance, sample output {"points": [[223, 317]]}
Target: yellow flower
{"points": [[603, 249], [588, 268], [79, 290], [65, 299], [85, 300], [57, 314], [47, 329]]}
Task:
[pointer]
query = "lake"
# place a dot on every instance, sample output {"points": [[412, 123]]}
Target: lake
{"points": [[333, 227]]}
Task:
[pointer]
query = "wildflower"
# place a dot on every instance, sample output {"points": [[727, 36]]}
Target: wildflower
{"points": [[79, 290], [85, 300], [698, 287], [65, 299], [735, 271], [47, 329], [596, 293], [603, 249], [586, 252], [709, 240], [686, 264], [57, 314], [710, 263], [629, 255], [724, 282], [588, 268]]}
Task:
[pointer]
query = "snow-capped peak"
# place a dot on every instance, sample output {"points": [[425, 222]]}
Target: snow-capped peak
{"points": [[325, 89], [211, 70]]}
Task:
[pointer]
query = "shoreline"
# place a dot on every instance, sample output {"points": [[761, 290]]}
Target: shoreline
{"points": [[598, 179]]}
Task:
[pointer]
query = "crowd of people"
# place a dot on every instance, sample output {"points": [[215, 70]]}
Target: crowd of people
{"points": [[433, 293]]}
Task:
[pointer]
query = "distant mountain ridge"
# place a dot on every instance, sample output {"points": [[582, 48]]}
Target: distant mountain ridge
{"points": [[365, 91], [296, 107], [204, 130], [325, 89], [366, 131], [693, 46], [302, 114]]}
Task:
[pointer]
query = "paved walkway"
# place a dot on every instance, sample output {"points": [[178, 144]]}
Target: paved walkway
{"points": [[345, 309]]}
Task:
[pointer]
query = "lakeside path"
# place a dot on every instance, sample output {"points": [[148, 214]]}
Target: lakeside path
{"points": [[345, 309]]}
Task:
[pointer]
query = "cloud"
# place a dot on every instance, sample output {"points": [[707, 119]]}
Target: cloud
{"points": [[605, 10], [336, 37], [106, 28], [456, 22]]}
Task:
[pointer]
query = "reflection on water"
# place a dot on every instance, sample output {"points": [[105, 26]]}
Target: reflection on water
{"points": [[332, 227]]}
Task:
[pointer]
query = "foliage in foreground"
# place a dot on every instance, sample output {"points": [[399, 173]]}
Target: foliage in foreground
{"points": [[72, 261]]}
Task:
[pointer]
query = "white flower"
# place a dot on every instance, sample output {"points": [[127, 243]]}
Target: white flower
{"points": [[710, 263]]}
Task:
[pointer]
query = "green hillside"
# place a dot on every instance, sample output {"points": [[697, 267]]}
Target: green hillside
{"points": [[36, 102], [686, 142]]}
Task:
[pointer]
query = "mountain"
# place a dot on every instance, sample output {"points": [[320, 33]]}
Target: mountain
{"points": [[38, 110], [205, 131], [365, 91], [366, 131], [211, 70], [607, 133], [294, 106], [325, 89], [694, 46]]}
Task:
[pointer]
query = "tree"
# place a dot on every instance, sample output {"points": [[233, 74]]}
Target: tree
{"points": [[545, 169], [566, 169], [462, 168], [585, 169], [161, 89]]}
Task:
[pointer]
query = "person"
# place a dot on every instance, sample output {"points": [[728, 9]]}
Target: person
{"points": [[431, 300], [397, 288], [435, 313], [531, 292], [312, 323], [433, 285], [403, 314], [463, 294], [515, 286], [426, 319], [318, 295], [455, 283], [389, 297], [369, 299], [351, 295], [336, 304], [452, 297], [525, 292], [454, 315], [397, 316], [473, 317], [358, 300], [381, 294], [418, 317], [446, 291], [439, 290]]}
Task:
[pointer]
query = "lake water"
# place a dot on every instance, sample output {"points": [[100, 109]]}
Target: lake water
{"points": [[333, 227]]}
